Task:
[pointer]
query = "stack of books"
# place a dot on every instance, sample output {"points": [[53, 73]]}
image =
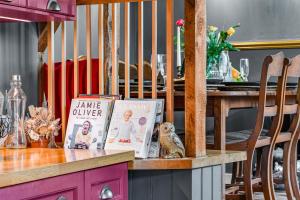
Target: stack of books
{"points": [[106, 122]]}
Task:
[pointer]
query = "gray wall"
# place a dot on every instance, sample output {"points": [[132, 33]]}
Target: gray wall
{"points": [[18, 55], [260, 20]]}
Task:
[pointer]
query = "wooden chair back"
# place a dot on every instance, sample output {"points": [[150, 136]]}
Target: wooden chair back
{"points": [[294, 108], [273, 66]]}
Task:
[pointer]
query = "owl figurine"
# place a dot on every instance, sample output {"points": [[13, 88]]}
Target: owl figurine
{"points": [[170, 142]]}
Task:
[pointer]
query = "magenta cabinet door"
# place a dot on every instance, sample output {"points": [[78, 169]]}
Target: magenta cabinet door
{"points": [[108, 183], [21, 3], [67, 187], [67, 6]]}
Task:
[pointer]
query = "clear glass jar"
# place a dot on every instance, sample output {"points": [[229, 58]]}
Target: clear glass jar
{"points": [[16, 102]]}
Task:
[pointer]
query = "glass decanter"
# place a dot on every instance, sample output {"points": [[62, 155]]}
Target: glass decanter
{"points": [[16, 102]]}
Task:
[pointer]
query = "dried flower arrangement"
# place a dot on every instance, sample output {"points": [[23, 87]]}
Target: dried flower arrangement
{"points": [[41, 125]]}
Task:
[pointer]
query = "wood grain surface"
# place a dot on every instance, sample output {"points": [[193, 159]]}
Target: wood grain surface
{"points": [[213, 157], [25, 165]]}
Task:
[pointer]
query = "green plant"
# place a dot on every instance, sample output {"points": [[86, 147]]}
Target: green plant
{"points": [[218, 42]]}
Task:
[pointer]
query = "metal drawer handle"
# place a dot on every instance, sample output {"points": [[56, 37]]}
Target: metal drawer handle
{"points": [[53, 5], [106, 193], [7, 0], [62, 198]]}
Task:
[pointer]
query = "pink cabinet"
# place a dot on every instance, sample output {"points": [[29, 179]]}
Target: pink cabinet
{"points": [[107, 183], [21, 3], [37, 10], [67, 7], [67, 187]]}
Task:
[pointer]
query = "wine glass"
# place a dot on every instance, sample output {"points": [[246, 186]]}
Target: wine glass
{"points": [[244, 68], [162, 67]]}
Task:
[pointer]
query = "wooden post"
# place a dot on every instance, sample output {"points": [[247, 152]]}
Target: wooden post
{"points": [[154, 49], [141, 50], [63, 80], [76, 67], [100, 49], [89, 49], [50, 44], [170, 66], [127, 48], [114, 62], [195, 80]]}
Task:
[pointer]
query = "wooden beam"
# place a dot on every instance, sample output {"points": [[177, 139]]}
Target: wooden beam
{"points": [[141, 50], [127, 49], [170, 62], [76, 67], [100, 48], [63, 80], [195, 81], [114, 66], [42, 42], [88, 49], [154, 49], [50, 44]]}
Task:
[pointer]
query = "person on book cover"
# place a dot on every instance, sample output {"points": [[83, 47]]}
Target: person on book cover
{"points": [[125, 130], [83, 138]]}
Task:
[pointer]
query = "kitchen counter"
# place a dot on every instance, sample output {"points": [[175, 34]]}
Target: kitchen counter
{"points": [[26, 165], [213, 157]]}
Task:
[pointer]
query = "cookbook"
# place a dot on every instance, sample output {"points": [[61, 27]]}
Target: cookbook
{"points": [[131, 126], [88, 123]]}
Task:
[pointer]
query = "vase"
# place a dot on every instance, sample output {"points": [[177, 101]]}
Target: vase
{"points": [[41, 142], [212, 69]]}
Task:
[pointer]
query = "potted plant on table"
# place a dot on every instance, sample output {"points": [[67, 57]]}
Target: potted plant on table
{"points": [[217, 41]]}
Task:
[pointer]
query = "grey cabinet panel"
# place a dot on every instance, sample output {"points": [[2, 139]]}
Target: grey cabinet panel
{"points": [[196, 184], [207, 185]]}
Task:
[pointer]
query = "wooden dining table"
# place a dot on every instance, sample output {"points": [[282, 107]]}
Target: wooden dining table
{"points": [[220, 102]]}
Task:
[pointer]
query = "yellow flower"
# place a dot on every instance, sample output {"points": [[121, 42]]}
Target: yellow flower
{"points": [[230, 31], [212, 28]]}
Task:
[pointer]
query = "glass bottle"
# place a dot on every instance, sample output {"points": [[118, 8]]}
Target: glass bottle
{"points": [[16, 102], [1, 103]]}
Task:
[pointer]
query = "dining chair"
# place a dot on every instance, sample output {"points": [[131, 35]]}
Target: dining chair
{"points": [[289, 140], [258, 138]]}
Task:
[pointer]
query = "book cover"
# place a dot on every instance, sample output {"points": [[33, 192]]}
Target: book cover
{"points": [[131, 126], [154, 149], [87, 124]]}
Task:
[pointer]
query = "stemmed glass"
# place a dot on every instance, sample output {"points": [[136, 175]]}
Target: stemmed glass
{"points": [[244, 68], [223, 65], [162, 67]]}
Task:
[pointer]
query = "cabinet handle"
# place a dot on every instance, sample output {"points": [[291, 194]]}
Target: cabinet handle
{"points": [[53, 5], [7, 0], [106, 193], [62, 198]]}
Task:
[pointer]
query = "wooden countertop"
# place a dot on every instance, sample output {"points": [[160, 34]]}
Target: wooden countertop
{"points": [[213, 157], [25, 165]]}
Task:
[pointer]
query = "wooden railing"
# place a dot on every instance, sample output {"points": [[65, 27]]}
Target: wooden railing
{"points": [[195, 135]]}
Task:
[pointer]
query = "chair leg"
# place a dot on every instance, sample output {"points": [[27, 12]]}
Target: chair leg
{"points": [[293, 170], [240, 169], [287, 170], [247, 168], [266, 173], [234, 172], [258, 162]]}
